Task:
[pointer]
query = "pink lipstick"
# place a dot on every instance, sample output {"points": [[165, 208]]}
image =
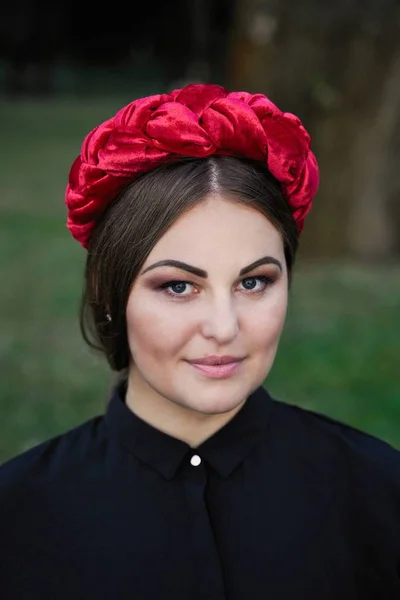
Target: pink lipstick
{"points": [[217, 367]]}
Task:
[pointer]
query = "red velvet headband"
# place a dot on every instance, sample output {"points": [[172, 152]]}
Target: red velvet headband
{"points": [[198, 120]]}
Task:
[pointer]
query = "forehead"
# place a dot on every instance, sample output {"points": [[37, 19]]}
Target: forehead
{"points": [[217, 228]]}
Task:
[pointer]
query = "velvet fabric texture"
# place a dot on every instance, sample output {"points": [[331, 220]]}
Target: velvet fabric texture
{"points": [[198, 120]]}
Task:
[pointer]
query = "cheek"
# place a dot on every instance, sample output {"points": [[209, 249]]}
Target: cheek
{"points": [[156, 333], [266, 322]]}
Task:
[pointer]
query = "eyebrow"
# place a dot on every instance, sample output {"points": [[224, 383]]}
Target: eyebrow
{"points": [[265, 260]]}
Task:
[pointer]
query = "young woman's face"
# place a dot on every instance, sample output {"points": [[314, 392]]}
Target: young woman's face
{"points": [[215, 285]]}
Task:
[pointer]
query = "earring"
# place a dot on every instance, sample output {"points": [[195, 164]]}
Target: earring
{"points": [[108, 317]]}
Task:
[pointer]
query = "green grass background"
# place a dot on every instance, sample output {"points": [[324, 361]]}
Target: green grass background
{"points": [[339, 354]]}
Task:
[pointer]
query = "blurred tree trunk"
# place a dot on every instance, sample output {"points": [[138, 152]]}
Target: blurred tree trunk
{"points": [[394, 187], [335, 65], [371, 228]]}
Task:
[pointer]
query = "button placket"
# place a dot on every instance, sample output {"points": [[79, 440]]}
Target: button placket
{"points": [[206, 563]]}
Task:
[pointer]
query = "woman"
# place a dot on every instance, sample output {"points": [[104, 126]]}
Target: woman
{"points": [[195, 483]]}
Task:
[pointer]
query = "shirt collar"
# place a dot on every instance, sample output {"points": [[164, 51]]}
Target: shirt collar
{"points": [[224, 450]]}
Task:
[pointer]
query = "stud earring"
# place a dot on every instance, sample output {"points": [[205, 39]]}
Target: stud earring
{"points": [[108, 317]]}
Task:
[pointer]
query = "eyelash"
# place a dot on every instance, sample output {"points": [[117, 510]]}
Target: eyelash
{"points": [[261, 278]]}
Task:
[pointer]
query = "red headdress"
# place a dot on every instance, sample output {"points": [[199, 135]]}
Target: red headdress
{"points": [[198, 120]]}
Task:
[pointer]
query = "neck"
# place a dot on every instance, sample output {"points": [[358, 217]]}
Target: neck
{"points": [[178, 421]]}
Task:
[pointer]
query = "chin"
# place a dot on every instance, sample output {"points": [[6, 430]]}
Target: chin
{"points": [[218, 401]]}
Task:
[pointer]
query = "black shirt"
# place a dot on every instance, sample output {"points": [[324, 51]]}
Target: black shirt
{"points": [[284, 504]]}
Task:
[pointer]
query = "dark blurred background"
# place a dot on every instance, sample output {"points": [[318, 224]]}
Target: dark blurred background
{"points": [[65, 67]]}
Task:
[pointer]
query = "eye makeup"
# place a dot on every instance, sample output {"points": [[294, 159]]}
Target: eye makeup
{"points": [[180, 288]]}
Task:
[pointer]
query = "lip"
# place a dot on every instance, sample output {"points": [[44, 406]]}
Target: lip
{"points": [[213, 359], [217, 367]]}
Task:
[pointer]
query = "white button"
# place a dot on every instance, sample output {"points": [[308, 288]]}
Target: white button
{"points": [[195, 460]]}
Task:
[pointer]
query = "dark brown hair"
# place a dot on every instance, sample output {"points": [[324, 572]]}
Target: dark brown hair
{"points": [[138, 218]]}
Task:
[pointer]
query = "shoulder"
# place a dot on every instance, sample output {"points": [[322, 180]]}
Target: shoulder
{"points": [[51, 460], [360, 454]]}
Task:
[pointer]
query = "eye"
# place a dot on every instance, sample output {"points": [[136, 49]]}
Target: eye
{"points": [[177, 288], [256, 284]]}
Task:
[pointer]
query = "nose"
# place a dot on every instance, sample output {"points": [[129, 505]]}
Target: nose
{"points": [[220, 321]]}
